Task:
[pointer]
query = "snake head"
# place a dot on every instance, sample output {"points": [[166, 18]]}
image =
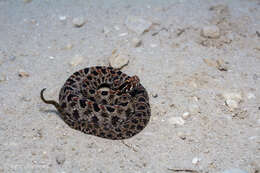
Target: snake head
{"points": [[130, 84]]}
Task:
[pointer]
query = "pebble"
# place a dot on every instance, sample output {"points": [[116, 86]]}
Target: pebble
{"points": [[26, 99], [210, 62], [181, 135], [153, 45], [3, 78], [60, 159], [117, 28], [118, 59], [22, 73], [258, 33], [233, 95], [211, 31], [234, 170], [62, 18], [12, 58], [68, 46], [232, 99], [233, 104], [251, 96], [195, 160], [221, 66], [123, 34], [105, 30], [194, 108], [176, 121], [78, 21], [136, 42], [154, 95], [76, 60], [256, 76], [219, 63], [185, 115], [137, 24]]}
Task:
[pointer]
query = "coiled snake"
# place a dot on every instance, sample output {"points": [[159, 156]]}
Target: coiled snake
{"points": [[104, 102]]}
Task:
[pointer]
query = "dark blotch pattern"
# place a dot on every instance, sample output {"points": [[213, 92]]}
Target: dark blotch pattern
{"points": [[86, 70], [82, 103], [75, 114], [96, 108], [95, 119], [114, 120], [119, 113], [110, 109]]}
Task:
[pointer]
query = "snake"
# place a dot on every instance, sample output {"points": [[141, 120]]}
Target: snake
{"points": [[104, 102]]}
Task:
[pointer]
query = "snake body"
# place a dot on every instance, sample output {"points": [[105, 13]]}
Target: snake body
{"points": [[104, 102]]}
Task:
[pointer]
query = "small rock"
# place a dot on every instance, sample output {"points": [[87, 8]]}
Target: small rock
{"points": [[34, 21], [185, 115], [233, 95], [221, 65], [257, 33], [123, 34], [233, 99], [105, 30], [137, 24], [154, 95], [234, 170], [181, 135], [210, 62], [118, 59], [194, 108], [136, 42], [60, 158], [256, 76], [176, 121], [78, 21], [153, 45], [12, 58], [51, 57], [3, 78], [22, 73], [62, 18], [68, 46], [116, 28], [26, 99], [211, 31], [232, 104], [251, 96], [195, 160], [76, 60]]}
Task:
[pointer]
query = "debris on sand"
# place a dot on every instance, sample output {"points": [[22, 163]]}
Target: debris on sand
{"points": [[118, 59], [211, 32], [78, 21], [137, 24]]}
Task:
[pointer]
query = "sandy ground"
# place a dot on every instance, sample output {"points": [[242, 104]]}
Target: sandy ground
{"points": [[212, 85]]}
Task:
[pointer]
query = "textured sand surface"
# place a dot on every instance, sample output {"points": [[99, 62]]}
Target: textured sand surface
{"points": [[199, 61]]}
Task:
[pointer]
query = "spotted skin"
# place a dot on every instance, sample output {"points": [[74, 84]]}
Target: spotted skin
{"points": [[104, 102]]}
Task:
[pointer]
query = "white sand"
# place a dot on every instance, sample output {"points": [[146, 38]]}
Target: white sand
{"points": [[174, 62]]}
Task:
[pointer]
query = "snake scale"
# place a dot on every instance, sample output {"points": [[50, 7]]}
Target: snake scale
{"points": [[104, 102]]}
